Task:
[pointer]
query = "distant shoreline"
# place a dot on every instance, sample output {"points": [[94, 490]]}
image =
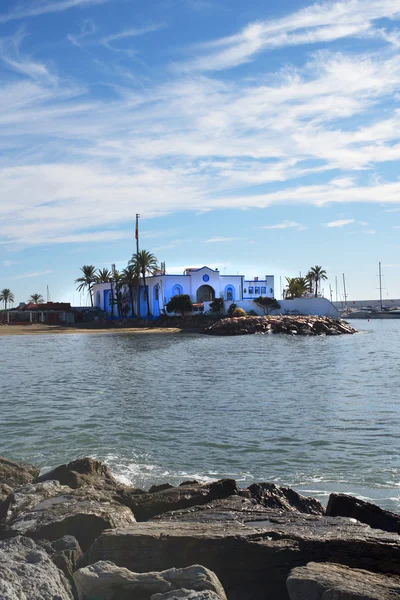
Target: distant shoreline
{"points": [[38, 329]]}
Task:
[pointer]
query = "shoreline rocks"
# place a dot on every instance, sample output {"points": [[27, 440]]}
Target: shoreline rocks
{"points": [[290, 325], [169, 543]]}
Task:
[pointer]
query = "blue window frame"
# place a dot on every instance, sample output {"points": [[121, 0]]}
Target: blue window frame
{"points": [[263, 290]]}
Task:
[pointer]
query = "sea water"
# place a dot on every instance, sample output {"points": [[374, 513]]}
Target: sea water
{"points": [[318, 414]]}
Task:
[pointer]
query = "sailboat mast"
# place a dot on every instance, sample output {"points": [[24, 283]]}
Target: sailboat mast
{"points": [[345, 294], [380, 285]]}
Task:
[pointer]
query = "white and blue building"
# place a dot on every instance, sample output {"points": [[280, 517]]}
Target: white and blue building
{"points": [[202, 285]]}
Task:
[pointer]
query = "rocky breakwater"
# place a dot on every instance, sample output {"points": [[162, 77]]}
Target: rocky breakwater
{"points": [[290, 325], [77, 533]]}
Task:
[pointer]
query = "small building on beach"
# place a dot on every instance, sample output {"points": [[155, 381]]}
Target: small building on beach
{"points": [[202, 285]]}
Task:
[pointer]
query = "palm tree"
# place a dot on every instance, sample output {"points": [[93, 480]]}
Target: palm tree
{"points": [[319, 274], [36, 298], [296, 287], [6, 296], [87, 280], [131, 280], [144, 263], [103, 276], [310, 281]]}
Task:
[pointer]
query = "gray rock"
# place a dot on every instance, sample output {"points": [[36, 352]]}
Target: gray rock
{"points": [[105, 581], [49, 511], [251, 559], [145, 506], [64, 553], [186, 595], [271, 495], [322, 581], [81, 473], [14, 474], [342, 505], [27, 573]]}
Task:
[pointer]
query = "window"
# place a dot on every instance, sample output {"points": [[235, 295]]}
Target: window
{"points": [[177, 290], [271, 291], [251, 290], [245, 291], [263, 290], [157, 292], [257, 290]]}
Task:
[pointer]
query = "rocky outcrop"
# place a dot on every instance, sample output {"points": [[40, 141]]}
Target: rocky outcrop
{"points": [[147, 505], [103, 580], [64, 553], [14, 474], [321, 581], [186, 595], [271, 495], [251, 559], [341, 505], [292, 325], [49, 511], [27, 573], [82, 472]]}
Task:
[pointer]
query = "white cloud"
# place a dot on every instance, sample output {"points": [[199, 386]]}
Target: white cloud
{"points": [[339, 223], [217, 240], [285, 225], [320, 22], [34, 274], [133, 32], [36, 9]]}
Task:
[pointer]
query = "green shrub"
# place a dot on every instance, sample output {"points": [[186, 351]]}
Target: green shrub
{"points": [[239, 312], [252, 313], [180, 303], [232, 308], [217, 306]]}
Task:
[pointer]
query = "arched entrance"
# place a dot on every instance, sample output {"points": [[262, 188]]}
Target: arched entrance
{"points": [[205, 293]]}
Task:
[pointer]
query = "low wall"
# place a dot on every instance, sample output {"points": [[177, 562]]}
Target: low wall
{"points": [[320, 307]]}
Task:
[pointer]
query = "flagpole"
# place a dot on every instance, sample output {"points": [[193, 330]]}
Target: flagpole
{"points": [[137, 262]]}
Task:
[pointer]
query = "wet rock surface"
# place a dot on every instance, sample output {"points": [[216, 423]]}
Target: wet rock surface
{"points": [[64, 553], [292, 325], [147, 505], [322, 581], [252, 560], [27, 573], [49, 511], [103, 580], [342, 505], [271, 495], [81, 473], [14, 474]]}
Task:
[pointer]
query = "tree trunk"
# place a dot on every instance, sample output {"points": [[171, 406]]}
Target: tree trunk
{"points": [[316, 288], [91, 295]]}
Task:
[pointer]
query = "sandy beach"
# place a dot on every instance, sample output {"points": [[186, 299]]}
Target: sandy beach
{"points": [[38, 329]]}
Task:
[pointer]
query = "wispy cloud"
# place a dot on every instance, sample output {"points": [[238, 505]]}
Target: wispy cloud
{"points": [[129, 33], [340, 223], [285, 225], [218, 240], [321, 22], [34, 274], [35, 9]]}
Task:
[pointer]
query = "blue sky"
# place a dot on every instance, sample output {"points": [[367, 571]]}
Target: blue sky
{"points": [[258, 137]]}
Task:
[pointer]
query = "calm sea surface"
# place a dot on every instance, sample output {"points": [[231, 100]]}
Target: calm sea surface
{"points": [[319, 414]]}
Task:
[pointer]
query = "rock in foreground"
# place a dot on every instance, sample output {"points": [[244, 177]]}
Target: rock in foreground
{"points": [[342, 505], [252, 560], [292, 325], [321, 581], [105, 581], [27, 573], [82, 472], [14, 474]]}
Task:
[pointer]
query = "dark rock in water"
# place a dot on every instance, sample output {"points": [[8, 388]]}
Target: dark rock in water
{"points": [[80, 473], [50, 511], [292, 325], [146, 506], [103, 580], [252, 560], [324, 581], [14, 474], [190, 482], [284, 498], [27, 573], [341, 505], [64, 553], [160, 488]]}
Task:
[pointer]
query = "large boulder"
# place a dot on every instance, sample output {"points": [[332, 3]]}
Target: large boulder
{"points": [[105, 581], [342, 505], [64, 553], [252, 559], [49, 511], [271, 495], [14, 474], [147, 505], [27, 573], [322, 581], [82, 472], [186, 595]]}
